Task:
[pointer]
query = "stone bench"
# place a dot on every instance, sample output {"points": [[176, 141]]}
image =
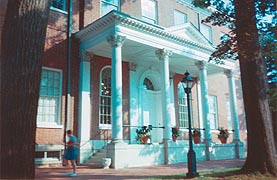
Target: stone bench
{"points": [[48, 155]]}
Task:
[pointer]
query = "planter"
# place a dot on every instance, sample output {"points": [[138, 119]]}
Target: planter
{"points": [[196, 140], [143, 139], [106, 162], [174, 138], [223, 140]]}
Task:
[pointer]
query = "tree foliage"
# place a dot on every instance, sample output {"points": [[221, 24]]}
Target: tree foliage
{"points": [[266, 16], [252, 40]]}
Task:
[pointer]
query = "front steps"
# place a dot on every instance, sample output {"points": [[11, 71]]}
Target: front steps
{"points": [[96, 159]]}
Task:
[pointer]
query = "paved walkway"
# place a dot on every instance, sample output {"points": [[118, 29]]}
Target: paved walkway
{"points": [[85, 173]]}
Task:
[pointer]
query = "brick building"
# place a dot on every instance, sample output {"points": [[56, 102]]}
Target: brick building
{"points": [[126, 60]]}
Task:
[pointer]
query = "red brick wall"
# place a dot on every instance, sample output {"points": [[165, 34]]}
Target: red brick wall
{"points": [[55, 56]]}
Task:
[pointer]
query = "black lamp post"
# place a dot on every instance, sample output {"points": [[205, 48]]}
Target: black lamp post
{"points": [[187, 83]]}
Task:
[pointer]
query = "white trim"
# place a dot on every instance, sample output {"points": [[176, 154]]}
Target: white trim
{"points": [[124, 21], [49, 125], [58, 123], [57, 10], [147, 18], [101, 2], [215, 113], [104, 126]]}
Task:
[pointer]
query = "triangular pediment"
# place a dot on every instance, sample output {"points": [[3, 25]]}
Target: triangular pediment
{"points": [[189, 32]]}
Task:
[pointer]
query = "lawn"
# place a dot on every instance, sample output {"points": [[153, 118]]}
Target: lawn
{"points": [[221, 174]]}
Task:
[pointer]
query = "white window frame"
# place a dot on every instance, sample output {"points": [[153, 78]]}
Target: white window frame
{"points": [[103, 125], [183, 16], [57, 123], [63, 10], [228, 114], [183, 107], [145, 9], [206, 31], [213, 112], [113, 7]]}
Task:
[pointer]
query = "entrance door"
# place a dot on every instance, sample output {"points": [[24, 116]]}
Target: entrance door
{"points": [[152, 113]]}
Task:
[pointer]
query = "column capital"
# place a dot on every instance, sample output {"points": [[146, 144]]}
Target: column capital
{"points": [[116, 40], [229, 73], [163, 53], [171, 75], [86, 56], [132, 66], [201, 64]]}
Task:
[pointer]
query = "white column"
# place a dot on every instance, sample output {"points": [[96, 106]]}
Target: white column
{"points": [[204, 99], [163, 55], [84, 106], [172, 101], [117, 114], [233, 104]]}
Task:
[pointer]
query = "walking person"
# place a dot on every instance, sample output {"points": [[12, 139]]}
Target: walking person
{"points": [[71, 152]]}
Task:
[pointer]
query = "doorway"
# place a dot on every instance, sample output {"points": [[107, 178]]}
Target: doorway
{"points": [[152, 110]]}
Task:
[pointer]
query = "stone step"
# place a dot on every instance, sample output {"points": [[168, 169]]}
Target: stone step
{"points": [[96, 159]]}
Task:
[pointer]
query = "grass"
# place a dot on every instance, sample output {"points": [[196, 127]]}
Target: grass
{"points": [[221, 174]]}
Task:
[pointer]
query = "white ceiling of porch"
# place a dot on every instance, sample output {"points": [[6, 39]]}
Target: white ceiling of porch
{"points": [[144, 55]]}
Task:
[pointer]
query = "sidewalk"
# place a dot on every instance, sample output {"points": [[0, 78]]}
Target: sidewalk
{"points": [[85, 173]]}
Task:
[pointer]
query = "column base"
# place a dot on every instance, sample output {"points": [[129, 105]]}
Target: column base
{"points": [[116, 150], [239, 148], [209, 144], [116, 141]]}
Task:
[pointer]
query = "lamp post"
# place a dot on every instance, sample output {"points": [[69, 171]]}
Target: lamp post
{"points": [[187, 83]]}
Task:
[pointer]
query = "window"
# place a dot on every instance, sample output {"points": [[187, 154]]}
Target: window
{"points": [[206, 31], [228, 112], [183, 107], [109, 5], [213, 112], [149, 11], [58, 4], [105, 98], [49, 105], [179, 17], [148, 84]]}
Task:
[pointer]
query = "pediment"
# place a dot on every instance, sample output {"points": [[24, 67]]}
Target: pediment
{"points": [[189, 32]]}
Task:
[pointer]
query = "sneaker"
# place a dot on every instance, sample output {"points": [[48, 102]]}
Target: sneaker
{"points": [[73, 175]]}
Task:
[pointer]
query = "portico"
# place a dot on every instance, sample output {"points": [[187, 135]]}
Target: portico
{"points": [[154, 54]]}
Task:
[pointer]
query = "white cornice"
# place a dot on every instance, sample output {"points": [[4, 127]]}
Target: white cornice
{"points": [[115, 18]]}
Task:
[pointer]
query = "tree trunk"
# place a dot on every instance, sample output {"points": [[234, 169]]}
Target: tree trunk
{"points": [[23, 38], [261, 147], [274, 113]]}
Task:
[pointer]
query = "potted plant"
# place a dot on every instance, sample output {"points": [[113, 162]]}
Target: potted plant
{"points": [[196, 134], [143, 134], [223, 135], [175, 133]]}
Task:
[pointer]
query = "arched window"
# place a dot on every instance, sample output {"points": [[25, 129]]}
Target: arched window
{"points": [[183, 107], [148, 84], [105, 97]]}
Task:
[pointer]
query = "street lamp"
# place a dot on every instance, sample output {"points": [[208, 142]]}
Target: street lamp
{"points": [[187, 83]]}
